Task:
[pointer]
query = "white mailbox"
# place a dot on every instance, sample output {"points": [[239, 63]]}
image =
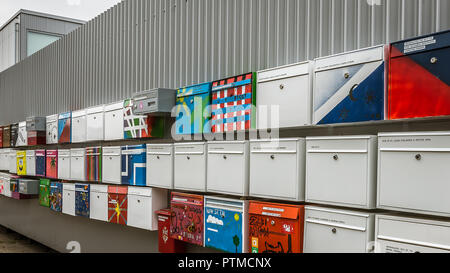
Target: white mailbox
{"points": [[79, 126], [64, 164], [142, 206], [160, 165], [95, 123], [68, 204], [190, 166], [414, 173], [111, 160], [285, 96], [31, 163], [394, 234], [341, 171], [52, 129], [277, 169], [338, 231], [7, 186], [4, 161], [77, 164], [98, 202], [12, 160], [22, 137], [228, 167], [114, 121]]}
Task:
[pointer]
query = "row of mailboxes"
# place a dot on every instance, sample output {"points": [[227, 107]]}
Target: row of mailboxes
{"points": [[131, 206], [18, 188], [396, 171]]}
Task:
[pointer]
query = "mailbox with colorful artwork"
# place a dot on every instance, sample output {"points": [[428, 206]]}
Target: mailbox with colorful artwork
{"points": [[44, 192], [233, 103], [134, 159], [6, 136], [94, 164], [166, 244], [65, 128], [82, 200], [14, 134], [419, 77], [118, 204], [51, 169], [192, 113], [275, 228], [36, 130], [186, 223], [55, 197], [140, 126], [226, 224], [21, 162], [40, 162]]}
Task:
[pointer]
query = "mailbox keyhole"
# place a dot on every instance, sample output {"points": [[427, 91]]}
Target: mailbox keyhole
{"points": [[272, 222], [272, 157], [139, 201], [157, 157], [114, 115], [334, 231], [188, 158], [98, 197], [433, 60], [110, 158], [224, 157], [418, 157], [335, 157], [281, 86], [347, 75]]}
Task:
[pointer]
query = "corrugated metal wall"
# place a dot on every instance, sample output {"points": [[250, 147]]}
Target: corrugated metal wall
{"points": [[142, 44]]}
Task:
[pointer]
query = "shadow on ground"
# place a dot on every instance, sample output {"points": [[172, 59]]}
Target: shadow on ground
{"points": [[12, 242]]}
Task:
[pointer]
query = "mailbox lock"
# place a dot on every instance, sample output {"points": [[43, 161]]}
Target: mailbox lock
{"points": [[114, 115], [272, 157], [335, 157], [418, 157], [281, 86], [157, 156], [110, 158], [98, 197], [347, 75], [224, 157], [433, 60], [188, 158], [334, 231], [272, 222], [192, 101], [139, 201]]}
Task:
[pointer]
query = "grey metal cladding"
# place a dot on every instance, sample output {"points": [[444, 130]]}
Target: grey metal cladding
{"points": [[143, 44]]}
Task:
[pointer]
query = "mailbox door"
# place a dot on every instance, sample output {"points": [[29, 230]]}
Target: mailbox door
{"points": [[134, 165], [65, 128], [140, 211], [55, 196], [94, 164], [82, 199], [114, 121], [44, 192], [95, 123], [22, 139], [190, 167], [7, 136], [275, 228], [68, 205], [79, 126], [77, 164], [111, 167], [40, 163], [52, 129], [31, 163], [187, 220], [138, 126], [99, 202], [160, 165], [14, 134], [64, 164], [117, 205], [51, 164], [21, 163]]}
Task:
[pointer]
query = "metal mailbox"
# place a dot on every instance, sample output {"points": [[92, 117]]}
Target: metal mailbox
{"points": [[94, 164], [14, 134], [56, 196], [52, 129], [77, 164], [29, 187], [275, 228], [31, 162], [350, 176], [187, 222], [166, 244], [134, 160], [36, 130], [272, 159], [338, 231], [285, 96], [65, 128], [118, 204], [226, 224], [98, 202], [40, 162], [111, 165], [233, 100], [6, 136], [64, 164], [22, 139], [14, 187], [350, 86], [419, 78], [234, 158], [21, 162], [114, 121], [51, 169], [190, 166], [395, 234], [160, 165], [192, 109], [158, 101], [68, 205], [143, 203], [79, 127], [140, 126], [82, 198], [95, 121], [7, 185], [12, 160], [44, 192], [412, 172]]}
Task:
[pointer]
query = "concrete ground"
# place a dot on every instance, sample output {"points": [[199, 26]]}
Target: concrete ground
{"points": [[12, 242]]}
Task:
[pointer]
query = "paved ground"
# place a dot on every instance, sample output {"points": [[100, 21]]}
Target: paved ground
{"points": [[12, 242]]}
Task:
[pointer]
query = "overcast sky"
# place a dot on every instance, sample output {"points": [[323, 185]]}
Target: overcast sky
{"points": [[78, 9]]}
